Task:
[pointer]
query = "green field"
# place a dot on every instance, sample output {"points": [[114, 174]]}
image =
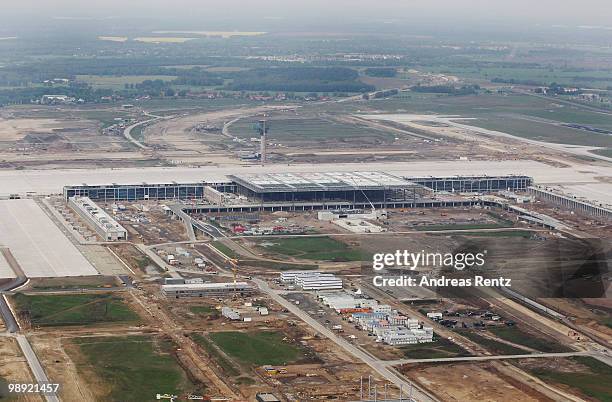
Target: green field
{"points": [[257, 348], [203, 310], [543, 132], [503, 233], [603, 152], [277, 265], [311, 129], [540, 74], [223, 362], [516, 335], [462, 226], [493, 345], [514, 114], [118, 81], [225, 249], [57, 310], [440, 348], [135, 368], [313, 248], [594, 381]]}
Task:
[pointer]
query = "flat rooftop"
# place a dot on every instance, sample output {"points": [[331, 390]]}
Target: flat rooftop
{"points": [[206, 286], [313, 181], [38, 245]]}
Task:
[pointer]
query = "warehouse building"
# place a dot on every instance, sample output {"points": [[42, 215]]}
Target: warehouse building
{"points": [[98, 219], [207, 289], [291, 276], [312, 280], [321, 282]]}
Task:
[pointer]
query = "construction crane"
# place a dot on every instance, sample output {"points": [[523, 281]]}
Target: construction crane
{"points": [[234, 263]]}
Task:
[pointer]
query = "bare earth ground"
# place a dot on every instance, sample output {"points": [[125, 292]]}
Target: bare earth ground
{"points": [[60, 367], [14, 368], [469, 382]]}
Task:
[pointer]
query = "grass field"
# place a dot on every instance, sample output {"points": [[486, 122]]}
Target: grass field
{"points": [[595, 381], [462, 226], [310, 130], [603, 152], [314, 248], [520, 337], [203, 310], [225, 249], [257, 348], [513, 114], [135, 368], [277, 265], [540, 74], [213, 352], [119, 81], [505, 233], [440, 348], [493, 345], [58, 310], [543, 132]]}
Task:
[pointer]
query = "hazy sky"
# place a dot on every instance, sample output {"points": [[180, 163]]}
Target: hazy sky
{"points": [[545, 12]]}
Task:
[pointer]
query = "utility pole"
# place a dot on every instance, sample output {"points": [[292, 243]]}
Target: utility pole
{"points": [[361, 388]]}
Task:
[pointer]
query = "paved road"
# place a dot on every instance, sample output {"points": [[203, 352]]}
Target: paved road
{"points": [[482, 358], [35, 366], [158, 260], [20, 279], [187, 220], [127, 133], [377, 365]]}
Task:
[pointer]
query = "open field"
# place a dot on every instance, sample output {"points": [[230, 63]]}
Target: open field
{"points": [[223, 34], [162, 39], [312, 129], [313, 248], [516, 335], [591, 78], [114, 38], [492, 345], [14, 369], [62, 310], [224, 363], [130, 368], [118, 82], [581, 375], [471, 382], [258, 348], [440, 348], [520, 115]]}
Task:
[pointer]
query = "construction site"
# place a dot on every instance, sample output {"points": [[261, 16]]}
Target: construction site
{"points": [[259, 286]]}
